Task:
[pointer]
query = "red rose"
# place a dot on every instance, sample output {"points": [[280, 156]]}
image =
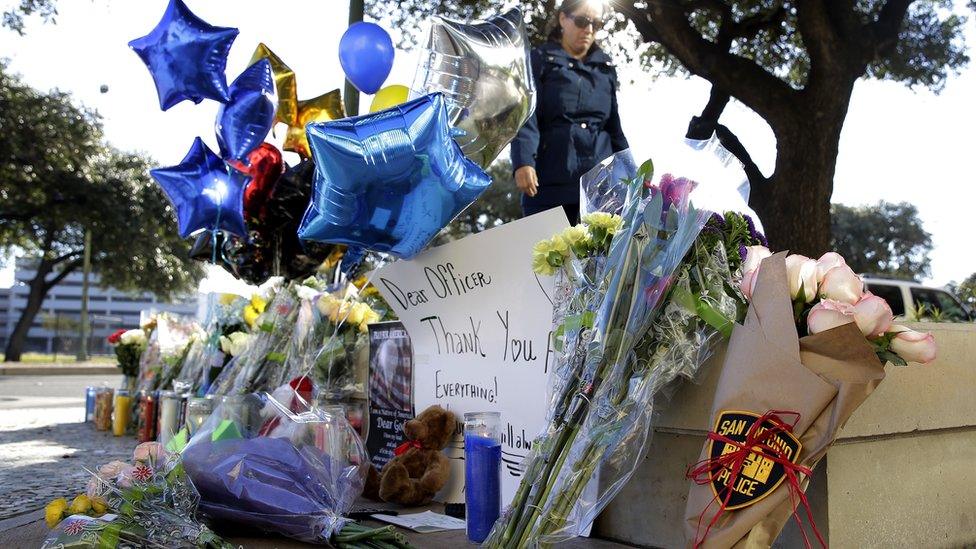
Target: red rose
{"points": [[116, 336]]}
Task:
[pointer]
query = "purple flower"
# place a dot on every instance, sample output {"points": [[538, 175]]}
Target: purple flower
{"points": [[743, 252], [676, 189]]}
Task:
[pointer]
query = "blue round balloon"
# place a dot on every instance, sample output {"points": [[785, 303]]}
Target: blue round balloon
{"points": [[389, 181], [245, 120], [366, 55], [186, 56], [205, 192]]}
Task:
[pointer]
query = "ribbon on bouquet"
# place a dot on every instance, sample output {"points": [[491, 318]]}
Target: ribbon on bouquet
{"points": [[762, 441]]}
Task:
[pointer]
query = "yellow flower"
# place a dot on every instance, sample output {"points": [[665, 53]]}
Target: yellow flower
{"points": [[340, 312], [327, 304], [259, 303], [370, 291], [81, 505], [251, 315], [54, 511], [369, 317], [356, 312], [578, 239], [99, 505], [602, 220], [549, 255], [227, 299]]}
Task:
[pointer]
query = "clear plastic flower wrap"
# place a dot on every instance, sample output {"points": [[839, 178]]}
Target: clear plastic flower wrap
{"points": [[278, 467], [149, 502], [648, 312], [162, 360], [256, 367]]}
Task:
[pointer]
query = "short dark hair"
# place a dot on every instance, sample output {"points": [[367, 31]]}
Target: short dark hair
{"points": [[556, 31]]}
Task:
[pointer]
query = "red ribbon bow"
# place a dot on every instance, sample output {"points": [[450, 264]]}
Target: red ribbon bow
{"points": [[756, 442], [408, 445]]}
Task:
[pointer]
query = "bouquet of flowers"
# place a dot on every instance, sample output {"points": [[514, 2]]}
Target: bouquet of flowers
{"points": [[226, 334], [148, 503], [167, 346], [129, 346], [812, 348], [256, 362], [626, 327], [289, 470]]}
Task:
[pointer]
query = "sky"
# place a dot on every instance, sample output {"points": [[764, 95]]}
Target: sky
{"points": [[897, 144]]}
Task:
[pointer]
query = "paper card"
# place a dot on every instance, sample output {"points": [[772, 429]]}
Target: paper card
{"points": [[480, 323], [425, 522], [390, 389]]}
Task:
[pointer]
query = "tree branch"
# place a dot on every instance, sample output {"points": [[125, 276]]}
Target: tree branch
{"points": [[740, 77], [827, 50], [68, 269], [66, 256], [884, 31]]}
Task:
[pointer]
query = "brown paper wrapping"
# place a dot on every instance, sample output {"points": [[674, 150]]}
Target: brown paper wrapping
{"points": [[823, 377]]}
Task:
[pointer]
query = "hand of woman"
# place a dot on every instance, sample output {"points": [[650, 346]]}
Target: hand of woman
{"points": [[526, 180]]}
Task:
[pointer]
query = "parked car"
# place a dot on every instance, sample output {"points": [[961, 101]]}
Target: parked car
{"points": [[905, 297]]}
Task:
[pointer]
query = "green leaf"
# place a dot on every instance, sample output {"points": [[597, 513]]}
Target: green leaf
{"points": [[653, 211], [108, 537], [888, 356], [646, 170], [276, 357]]}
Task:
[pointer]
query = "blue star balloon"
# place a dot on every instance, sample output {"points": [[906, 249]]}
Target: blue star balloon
{"points": [[186, 56], [245, 120], [389, 181], [205, 193]]}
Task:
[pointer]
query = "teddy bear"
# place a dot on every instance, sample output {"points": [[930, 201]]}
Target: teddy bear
{"points": [[419, 469]]}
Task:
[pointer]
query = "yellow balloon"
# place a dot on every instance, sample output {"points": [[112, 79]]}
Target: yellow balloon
{"points": [[389, 96]]}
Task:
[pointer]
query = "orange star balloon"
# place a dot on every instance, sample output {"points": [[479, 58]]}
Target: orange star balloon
{"points": [[296, 114]]}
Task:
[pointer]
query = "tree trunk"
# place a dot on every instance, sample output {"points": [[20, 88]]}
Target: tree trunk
{"points": [[794, 203], [38, 291]]}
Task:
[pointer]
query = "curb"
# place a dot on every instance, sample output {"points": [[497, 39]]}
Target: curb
{"points": [[58, 370]]}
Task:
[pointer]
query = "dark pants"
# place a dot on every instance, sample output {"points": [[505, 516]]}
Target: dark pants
{"points": [[572, 211]]}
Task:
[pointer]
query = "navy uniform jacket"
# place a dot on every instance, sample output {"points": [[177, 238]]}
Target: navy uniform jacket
{"points": [[575, 124]]}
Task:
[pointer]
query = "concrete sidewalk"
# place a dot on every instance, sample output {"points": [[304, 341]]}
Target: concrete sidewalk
{"points": [[57, 368]]}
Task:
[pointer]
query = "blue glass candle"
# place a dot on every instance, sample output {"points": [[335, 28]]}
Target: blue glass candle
{"points": [[89, 404], [482, 472]]}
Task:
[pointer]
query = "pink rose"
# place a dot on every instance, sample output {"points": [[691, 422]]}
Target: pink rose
{"points": [[873, 315], [829, 314], [913, 346], [754, 256], [152, 452], [827, 262], [842, 284], [802, 274], [748, 284], [126, 476]]}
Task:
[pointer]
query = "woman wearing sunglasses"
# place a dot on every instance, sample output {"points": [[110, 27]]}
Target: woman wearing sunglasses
{"points": [[576, 124]]}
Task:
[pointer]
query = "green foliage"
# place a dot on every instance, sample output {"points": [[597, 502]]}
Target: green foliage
{"points": [[965, 290], [884, 238], [58, 178], [498, 205], [930, 45], [13, 18]]}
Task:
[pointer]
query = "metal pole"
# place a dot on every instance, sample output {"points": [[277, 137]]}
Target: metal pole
{"points": [[356, 11], [84, 329]]}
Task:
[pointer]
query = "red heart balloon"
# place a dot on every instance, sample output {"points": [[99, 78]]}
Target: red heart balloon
{"points": [[264, 168]]}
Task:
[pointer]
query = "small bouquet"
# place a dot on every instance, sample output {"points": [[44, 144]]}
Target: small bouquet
{"points": [[256, 362], [281, 469], [129, 346], [146, 503], [812, 348], [626, 325], [168, 343], [225, 334]]}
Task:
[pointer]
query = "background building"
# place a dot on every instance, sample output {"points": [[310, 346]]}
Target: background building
{"points": [[55, 328]]}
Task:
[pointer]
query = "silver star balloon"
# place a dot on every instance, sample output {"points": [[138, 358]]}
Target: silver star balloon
{"points": [[483, 70]]}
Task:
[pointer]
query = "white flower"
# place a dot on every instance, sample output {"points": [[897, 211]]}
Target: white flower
{"points": [[802, 274], [234, 343], [842, 284], [306, 293], [133, 337]]}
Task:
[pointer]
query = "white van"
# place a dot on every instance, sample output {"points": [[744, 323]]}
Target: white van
{"points": [[905, 297]]}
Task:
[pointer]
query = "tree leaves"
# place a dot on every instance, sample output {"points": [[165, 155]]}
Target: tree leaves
{"points": [[885, 238]]}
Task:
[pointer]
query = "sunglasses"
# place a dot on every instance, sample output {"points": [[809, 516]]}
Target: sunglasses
{"points": [[582, 21]]}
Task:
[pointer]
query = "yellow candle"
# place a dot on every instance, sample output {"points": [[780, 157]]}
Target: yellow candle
{"points": [[121, 410]]}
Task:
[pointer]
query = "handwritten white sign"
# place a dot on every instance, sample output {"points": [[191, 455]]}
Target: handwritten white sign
{"points": [[480, 323]]}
